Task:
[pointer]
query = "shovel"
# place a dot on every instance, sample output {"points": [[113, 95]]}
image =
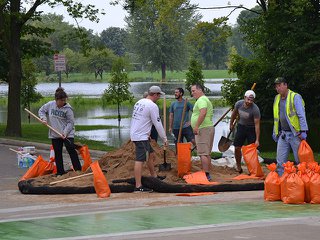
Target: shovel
{"points": [[164, 166], [225, 142]]}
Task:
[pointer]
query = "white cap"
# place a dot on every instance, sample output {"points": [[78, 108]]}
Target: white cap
{"points": [[155, 89], [250, 94]]}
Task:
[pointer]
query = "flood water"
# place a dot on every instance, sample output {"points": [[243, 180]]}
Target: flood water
{"points": [[97, 89], [115, 136]]}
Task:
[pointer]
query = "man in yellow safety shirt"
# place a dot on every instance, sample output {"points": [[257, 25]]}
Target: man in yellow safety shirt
{"points": [[290, 123]]}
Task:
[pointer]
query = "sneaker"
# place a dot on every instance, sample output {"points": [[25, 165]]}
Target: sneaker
{"points": [[161, 177], [142, 189], [208, 176]]}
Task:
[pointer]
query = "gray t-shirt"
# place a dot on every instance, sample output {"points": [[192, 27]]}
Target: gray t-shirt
{"points": [[247, 115], [282, 112]]}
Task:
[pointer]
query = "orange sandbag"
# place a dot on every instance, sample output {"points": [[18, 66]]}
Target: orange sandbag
{"points": [[195, 194], [283, 179], [272, 190], [250, 156], [305, 152], [295, 189], [38, 168], [315, 187], [198, 178], [85, 154], [101, 185], [302, 172], [183, 158]]}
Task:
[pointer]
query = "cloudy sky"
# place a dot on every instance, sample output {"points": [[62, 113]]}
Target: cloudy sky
{"points": [[115, 14]]}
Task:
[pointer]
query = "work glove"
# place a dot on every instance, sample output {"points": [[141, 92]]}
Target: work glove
{"points": [[275, 137], [303, 135]]}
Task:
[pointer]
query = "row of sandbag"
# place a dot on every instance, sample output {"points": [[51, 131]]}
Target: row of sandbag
{"points": [[296, 186]]}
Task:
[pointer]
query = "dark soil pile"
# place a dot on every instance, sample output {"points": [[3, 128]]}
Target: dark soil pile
{"points": [[118, 168]]}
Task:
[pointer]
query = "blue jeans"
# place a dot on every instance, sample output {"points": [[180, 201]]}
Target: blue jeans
{"points": [[286, 141]]}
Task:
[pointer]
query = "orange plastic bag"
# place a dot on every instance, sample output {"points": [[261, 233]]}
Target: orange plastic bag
{"points": [[250, 156], [315, 186], [302, 172], [305, 152], [101, 185], [198, 178], [283, 179], [272, 190], [295, 189], [183, 158], [85, 154], [38, 168]]}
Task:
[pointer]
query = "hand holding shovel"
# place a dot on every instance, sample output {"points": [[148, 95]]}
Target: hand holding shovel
{"points": [[45, 123]]}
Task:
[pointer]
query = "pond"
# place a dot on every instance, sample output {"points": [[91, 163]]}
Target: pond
{"points": [[97, 89]]}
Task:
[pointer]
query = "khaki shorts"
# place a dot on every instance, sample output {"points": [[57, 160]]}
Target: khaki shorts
{"points": [[204, 140]]}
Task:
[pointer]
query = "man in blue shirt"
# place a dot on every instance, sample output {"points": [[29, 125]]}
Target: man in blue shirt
{"points": [[175, 115]]}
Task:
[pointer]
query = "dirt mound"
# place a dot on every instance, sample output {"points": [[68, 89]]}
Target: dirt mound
{"points": [[118, 168]]}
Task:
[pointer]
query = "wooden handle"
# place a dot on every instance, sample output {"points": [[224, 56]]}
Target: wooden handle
{"points": [[222, 117], [164, 118], [253, 86], [182, 119], [36, 117], [18, 152], [71, 178]]}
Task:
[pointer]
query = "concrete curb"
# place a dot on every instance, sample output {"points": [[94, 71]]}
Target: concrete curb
{"points": [[96, 154]]}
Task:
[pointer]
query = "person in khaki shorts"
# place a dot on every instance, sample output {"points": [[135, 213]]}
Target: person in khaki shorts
{"points": [[201, 122]]}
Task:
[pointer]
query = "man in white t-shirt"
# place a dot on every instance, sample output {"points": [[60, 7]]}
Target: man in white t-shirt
{"points": [[145, 114]]}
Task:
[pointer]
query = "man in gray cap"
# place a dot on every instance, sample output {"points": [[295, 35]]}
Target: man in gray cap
{"points": [[248, 128], [145, 114], [290, 123]]}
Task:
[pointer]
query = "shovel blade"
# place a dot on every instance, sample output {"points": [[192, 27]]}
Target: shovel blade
{"points": [[224, 144], [165, 167]]}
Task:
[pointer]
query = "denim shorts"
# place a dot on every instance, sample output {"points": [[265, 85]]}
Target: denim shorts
{"points": [[186, 132]]}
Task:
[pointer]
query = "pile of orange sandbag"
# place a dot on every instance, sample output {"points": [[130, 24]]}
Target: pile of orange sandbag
{"points": [[293, 187]]}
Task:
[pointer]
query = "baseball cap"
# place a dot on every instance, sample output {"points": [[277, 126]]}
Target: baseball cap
{"points": [[250, 94], [280, 80], [155, 89]]}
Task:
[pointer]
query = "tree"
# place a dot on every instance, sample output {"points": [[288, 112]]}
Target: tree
{"points": [[194, 75], [157, 30], [14, 15], [118, 90], [114, 38], [29, 81], [284, 39], [100, 60], [210, 41]]}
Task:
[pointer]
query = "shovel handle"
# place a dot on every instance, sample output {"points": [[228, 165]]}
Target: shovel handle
{"points": [[53, 129], [182, 119]]}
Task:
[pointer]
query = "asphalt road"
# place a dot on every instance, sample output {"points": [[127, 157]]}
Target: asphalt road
{"points": [[229, 215]]}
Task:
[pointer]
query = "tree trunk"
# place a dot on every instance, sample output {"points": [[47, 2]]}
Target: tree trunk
{"points": [[119, 116], [14, 79], [163, 71]]}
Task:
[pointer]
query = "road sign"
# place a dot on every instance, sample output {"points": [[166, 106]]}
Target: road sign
{"points": [[59, 62]]}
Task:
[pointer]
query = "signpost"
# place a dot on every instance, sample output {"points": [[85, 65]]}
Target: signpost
{"points": [[59, 64]]}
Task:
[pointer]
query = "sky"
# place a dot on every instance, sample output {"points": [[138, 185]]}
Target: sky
{"points": [[114, 16]]}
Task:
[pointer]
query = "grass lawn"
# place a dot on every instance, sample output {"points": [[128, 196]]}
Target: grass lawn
{"points": [[134, 76], [39, 133]]}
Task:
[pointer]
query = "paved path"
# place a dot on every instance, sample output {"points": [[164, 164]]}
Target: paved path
{"points": [[231, 215]]}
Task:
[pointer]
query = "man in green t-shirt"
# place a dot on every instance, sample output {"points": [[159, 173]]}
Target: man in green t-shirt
{"points": [[201, 122]]}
